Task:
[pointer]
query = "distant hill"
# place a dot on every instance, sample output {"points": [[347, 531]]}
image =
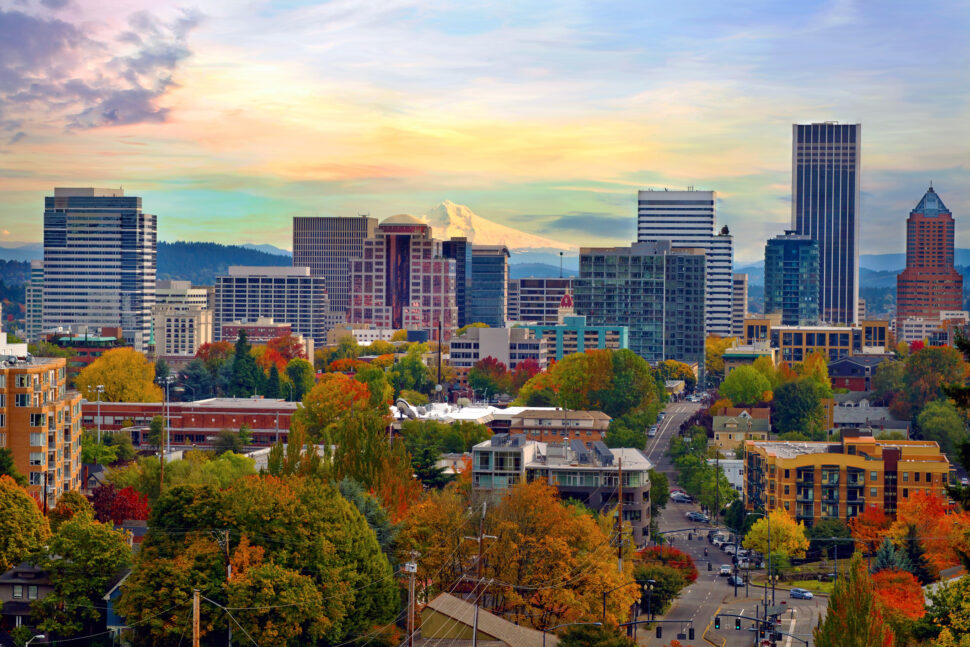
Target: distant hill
{"points": [[21, 251], [201, 263], [539, 270], [269, 249]]}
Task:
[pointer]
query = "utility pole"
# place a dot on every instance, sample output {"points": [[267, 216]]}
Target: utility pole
{"points": [[478, 567], [411, 568], [195, 618], [439, 390], [619, 520], [222, 537]]}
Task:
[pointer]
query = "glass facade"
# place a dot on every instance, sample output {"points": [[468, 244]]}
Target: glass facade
{"points": [[460, 250], [791, 279], [489, 285]]}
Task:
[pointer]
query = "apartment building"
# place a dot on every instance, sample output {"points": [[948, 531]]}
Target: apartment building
{"points": [[795, 343], [40, 421], [574, 335], [537, 300], [560, 425], [182, 319], [815, 481], [589, 475]]}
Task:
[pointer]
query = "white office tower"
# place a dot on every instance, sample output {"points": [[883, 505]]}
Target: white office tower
{"points": [[35, 301], [99, 262], [689, 219]]}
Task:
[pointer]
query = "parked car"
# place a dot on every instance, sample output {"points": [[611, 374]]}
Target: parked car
{"points": [[719, 540], [728, 548], [736, 580], [680, 497], [699, 517], [801, 594], [652, 431], [726, 569]]}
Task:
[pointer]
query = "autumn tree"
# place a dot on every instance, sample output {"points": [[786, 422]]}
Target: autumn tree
{"points": [[671, 369], [869, 529], [109, 504], [83, 558], [926, 374], [714, 349], [854, 617], [127, 376], [71, 504], [745, 385], [23, 529], [787, 536], [899, 592], [489, 375], [947, 620], [593, 636], [333, 398]]}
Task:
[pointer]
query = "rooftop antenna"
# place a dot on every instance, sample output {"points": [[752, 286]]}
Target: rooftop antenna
{"points": [[560, 264]]}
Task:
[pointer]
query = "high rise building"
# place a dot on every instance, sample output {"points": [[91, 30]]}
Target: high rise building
{"points": [[792, 279], [537, 300], [40, 421], [460, 249], [929, 284], [825, 207], [490, 285], [739, 303], [285, 294], [35, 301], [326, 245], [654, 289], [182, 319], [99, 262], [402, 281], [689, 219]]}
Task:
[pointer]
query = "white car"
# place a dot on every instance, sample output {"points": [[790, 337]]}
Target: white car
{"points": [[725, 569]]}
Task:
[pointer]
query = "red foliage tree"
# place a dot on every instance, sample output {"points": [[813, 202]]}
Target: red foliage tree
{"points": [[669, 556], [869, 529], [523, 372], [345, 365], [288, 346], [917, 345], [215, 350], [899, 592], [115, 506]]}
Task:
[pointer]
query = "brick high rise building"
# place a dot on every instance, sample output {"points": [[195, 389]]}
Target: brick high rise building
{"points": [[402, 280], [929, 284]]}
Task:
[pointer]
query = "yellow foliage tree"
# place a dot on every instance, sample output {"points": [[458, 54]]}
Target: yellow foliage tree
{"points": [[787, 536], [714, 352], [126, 374], [766, 367]]}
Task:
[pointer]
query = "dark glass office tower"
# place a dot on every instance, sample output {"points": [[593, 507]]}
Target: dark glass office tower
{"points": [[825, 206], [791, 279], [490, 285], [460, 249]]}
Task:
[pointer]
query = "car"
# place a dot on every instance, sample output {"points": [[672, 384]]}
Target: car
{"points": [[801, 594], [680, 497], [726, 569], [699, 517], [964, 481], [728, 548], [736, 580], [661, 415], [719, 540], [652, 431]]}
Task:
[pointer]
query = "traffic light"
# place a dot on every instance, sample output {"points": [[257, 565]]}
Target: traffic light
{"points": [[690, 633], [717, 622], [709, 566], [737, 624], [689, 536], [660, 632]]}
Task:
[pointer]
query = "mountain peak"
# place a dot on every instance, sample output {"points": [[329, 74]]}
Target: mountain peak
{"points": [[449, 220]]}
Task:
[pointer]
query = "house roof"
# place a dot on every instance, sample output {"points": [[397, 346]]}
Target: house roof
{"points": [[861, 360], [758, 413], [508, 633], [24, 573]]}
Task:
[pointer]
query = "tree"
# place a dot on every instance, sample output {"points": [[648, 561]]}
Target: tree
{"points": [[8, 468], [273, 385], [659, 492], [854, 617], [295, 542], [619, 435], [869, 529], [289, 347], [524, 371], [745, 385], [156, 433], [671, 369], [924, 571], [887, 382], [334, 397], [195, 468], [888, 557], [940, 421], [461, 331], [948, 614], [816, 367], [94, 452], [374, 513], [410, 372], [714, 349], [23, 529], [787, 536], [196, 381], [426, 469], [228, 440], [127, 376], [592, 636], [381, 392], [71, 504], [246, 374], [827, 529], [301, 376], [162, 369], [926, 374], [110, 504], [798, 407], [84, 557], [901, 600]]}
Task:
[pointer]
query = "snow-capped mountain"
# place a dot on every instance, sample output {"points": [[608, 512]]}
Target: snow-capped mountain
{"points": [[449, 220]]}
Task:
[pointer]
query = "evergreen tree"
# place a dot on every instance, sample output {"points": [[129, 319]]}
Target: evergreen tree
{"points": [[425, 465], [272, 389], [854, 618], [916, 555], [8, 468], [246, 373], [888, 557]]}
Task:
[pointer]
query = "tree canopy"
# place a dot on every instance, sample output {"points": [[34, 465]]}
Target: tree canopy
{"points": [[127, 376], [787, 536], [745, 385], [23, 529]]}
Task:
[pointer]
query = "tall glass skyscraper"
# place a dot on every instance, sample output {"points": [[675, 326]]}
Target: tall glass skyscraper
{"points": [[460, 249], [825, 207], [490, 285], [99, 262], [791, 279]]}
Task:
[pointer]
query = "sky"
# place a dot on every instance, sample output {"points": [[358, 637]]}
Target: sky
{"points": [[229, 117]]}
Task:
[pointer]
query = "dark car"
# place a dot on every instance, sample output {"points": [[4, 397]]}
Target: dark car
{"points": [[736, 580], [699, 517]]}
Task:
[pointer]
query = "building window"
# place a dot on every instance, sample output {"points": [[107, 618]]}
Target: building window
{"points": [[22, 399], [873, 491], [905, 477], [905, 492], [874, 477], [32, 592], [18, 591]]}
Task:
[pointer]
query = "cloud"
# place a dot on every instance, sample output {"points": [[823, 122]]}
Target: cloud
{"points": [[18, 136], [5, 232], [55, 4], [53, 71], [600, 224]]}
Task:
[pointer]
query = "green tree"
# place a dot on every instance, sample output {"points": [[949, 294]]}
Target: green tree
{"points": [[8, 468], [156, 433], [424, 462], [302, 377], [887, 382], [854, 617], [410, 372], [23, 529], [246, 375], [827, 529], [84, 557], [889, 557], [94, 452], [71, 504], [120, 442], [797, 407], [374, 513], [916, 554], [162, 369], [228, 440], [668, 583], [593, 636], [195, 468], [379, 388], [619, 435], [272, 388], [197, 380], [940, 421], [745, 385]]}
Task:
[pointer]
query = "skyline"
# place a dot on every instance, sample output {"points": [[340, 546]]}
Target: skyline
{"points": [[229, 121]]}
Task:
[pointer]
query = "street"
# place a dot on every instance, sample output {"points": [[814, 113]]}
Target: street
{"points": [[711, 594]]}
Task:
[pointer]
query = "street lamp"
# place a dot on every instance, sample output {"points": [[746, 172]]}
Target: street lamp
{"points": [[168, 379], [568, 624], [41, 636], [770, 574], [99, 389], [650, 584]]}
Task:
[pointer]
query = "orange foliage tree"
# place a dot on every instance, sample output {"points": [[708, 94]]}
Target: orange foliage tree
{"points": [[899, 592], [345, 365], [940, 530], [333, 397], [869, 529], [288, 346]]}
